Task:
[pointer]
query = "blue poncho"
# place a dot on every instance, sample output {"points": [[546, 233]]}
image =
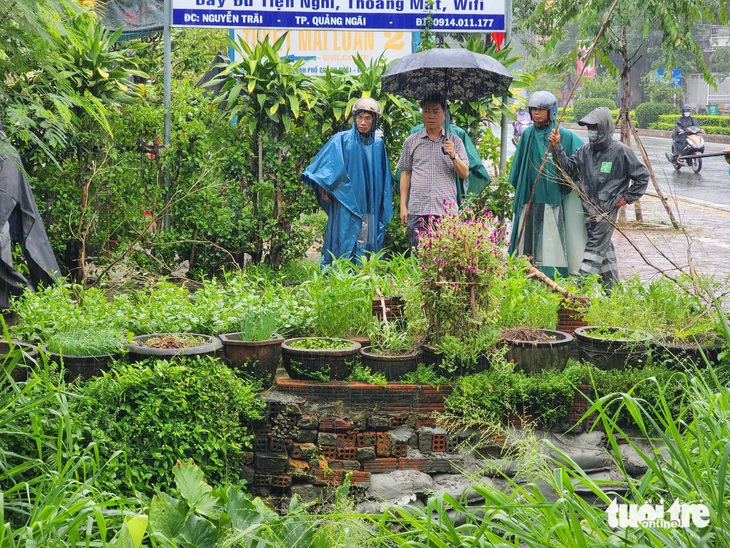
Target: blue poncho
{"points": [[354, 170]]}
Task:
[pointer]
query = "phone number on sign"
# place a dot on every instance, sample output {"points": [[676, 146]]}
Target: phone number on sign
{"points": [[451, 22]]}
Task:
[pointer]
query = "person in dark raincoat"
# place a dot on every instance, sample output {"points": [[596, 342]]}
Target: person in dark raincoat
{"points": [[549, 224], [20, 222], [611, 176], [354, 185], [679, 139]]}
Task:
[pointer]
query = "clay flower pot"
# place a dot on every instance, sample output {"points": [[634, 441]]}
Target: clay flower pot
{"points": [[393, 366], [258, 358], [323, 360]]}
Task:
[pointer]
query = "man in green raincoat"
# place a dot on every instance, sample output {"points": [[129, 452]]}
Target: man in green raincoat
{"points": [[549, 224]]}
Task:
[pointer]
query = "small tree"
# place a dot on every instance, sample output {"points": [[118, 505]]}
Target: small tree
{"points": [[265, 93]]}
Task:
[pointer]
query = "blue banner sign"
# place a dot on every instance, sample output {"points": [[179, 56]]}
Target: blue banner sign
{"points": [[394, 15]]}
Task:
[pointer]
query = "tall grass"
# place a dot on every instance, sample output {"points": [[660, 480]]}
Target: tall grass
{"points": [[48, 493], [687, 461]]}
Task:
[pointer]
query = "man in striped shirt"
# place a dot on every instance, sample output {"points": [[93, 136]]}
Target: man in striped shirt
{"points": [[428, 162]]}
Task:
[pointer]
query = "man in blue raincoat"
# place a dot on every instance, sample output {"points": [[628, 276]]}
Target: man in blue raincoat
{"points": [[354, 185]]}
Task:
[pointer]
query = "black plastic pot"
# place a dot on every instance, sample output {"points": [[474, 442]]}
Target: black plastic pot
{"points": [[83, 367], [320, 364], [137, 350], [536, 356], [620, 348], [431, 356], [393, 366], [689, 353], [27, 354], [258, 358]]}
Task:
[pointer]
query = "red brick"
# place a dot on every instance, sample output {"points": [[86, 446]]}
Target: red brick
{"points": [[438, 443], [346, 440], [329, 451], [335, 424], [382, 444], [347, 453], [420, 423], [381, 466], [359, 477], [281, 482], [366, 439], [399, 449]]}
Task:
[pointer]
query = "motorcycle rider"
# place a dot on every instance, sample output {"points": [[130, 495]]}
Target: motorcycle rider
{"points": [[523, 121], [679, 139]]}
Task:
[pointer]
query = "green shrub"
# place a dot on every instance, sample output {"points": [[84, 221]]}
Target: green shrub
{"points": [[165, 411], [581, 107], [649, 113]]}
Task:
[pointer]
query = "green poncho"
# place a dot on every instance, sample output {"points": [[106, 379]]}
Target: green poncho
{"points": [[553, 231]]}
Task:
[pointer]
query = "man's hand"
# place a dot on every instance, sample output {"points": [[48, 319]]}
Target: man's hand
{"points": [[449, 149], [323, 194], [554, 138], [403, 215], [621, 202]]}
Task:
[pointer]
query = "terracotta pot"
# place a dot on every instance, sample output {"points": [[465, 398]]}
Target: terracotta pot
{"points": [[258, 358], [319, 364], [625, 347], [569, 320], [536, 356], [137, 350], [393, 366]]}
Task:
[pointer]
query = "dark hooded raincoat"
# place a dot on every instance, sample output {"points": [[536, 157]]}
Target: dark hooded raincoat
{"points": [[608, 170], [354, 170]]}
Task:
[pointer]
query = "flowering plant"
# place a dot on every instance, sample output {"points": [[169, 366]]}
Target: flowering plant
{"points": [[462, 260]]}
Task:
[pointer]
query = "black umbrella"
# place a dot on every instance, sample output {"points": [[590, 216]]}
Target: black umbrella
{"points": [[456, 72]]}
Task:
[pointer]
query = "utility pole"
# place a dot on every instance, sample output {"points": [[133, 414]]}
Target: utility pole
{"points": [[503, 137]]}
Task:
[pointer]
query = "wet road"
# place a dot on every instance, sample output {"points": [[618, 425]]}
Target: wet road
{"points": [[711, 185]]}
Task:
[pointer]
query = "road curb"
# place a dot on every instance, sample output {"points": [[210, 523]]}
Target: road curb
{"points": [[709, 137]]}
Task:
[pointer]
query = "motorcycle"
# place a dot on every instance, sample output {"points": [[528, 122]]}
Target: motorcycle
{"points": [[694, 146], [520, 125]]}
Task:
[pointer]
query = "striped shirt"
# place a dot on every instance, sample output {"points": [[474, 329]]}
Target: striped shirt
{"points": [[433, 178]]}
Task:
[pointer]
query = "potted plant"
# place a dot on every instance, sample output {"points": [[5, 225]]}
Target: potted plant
{"points": [[612, 347], [319, 358], [256, 347], [391, 351], [528, 315], [85, 351], [461, 262], [170, 345]]}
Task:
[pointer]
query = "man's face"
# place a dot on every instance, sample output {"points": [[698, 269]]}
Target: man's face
{"points": [[364, 122], [540, 116], [433, 116]]}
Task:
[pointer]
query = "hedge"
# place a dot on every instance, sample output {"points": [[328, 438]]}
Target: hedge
{"points": [[581, 107], [650, 113], [715, 125]]}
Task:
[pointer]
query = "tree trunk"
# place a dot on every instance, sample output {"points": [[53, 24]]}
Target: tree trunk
{"points": [[624, 112], [79, 272]]}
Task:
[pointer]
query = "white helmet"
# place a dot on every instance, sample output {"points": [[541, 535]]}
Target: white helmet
{"points": [[367, 104]]}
